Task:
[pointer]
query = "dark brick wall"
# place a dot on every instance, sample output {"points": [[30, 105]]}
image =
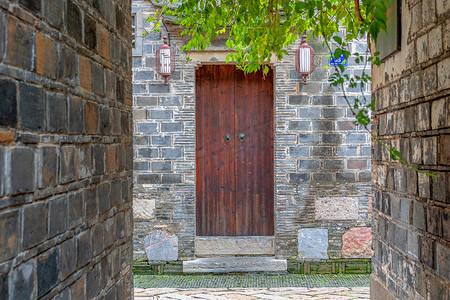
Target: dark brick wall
{"points": [[411, 210], [65, 150]]}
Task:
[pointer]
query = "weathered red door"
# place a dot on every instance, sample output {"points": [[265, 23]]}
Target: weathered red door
{"points": [[234, 125]]}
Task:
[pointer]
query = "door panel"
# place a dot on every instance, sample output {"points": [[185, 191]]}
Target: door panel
{"points": [[234, 178]]}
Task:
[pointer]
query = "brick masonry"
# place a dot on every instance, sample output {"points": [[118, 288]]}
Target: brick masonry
{"points": [[65, 150], [319, 152], [411, 210]]}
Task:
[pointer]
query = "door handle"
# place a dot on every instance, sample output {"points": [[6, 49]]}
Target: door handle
{"points": [[227, 137], [242, 137]]}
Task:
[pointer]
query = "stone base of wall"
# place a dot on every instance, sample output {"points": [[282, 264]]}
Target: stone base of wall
{"points": [[331, 266]]}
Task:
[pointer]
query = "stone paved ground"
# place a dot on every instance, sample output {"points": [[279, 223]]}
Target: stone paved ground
{"points": [[254, 293], [250, 287]]}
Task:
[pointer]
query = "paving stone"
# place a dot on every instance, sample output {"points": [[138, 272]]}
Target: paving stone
{"points": [[161, 246], [234, 264], [313, 243]]}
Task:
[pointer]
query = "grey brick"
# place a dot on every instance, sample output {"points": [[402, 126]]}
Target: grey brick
{"points": [[68, 168], [158, 88], [427, 251], [147, 127], [170, 101], [54, 12], [75, 215], [110, 232], [160, 114], [309, 164], [355, 138], [172, 153], [56, 112], [307, 138], [322, 125], [31, 107], [21, 45], [345, 176], [120, 90], [334, 164], [47, 272], [73, 20], [299, 151], [93, 282], [147, 152], [140, 166], [8, 105], [137, 62], [22, 170], [84, 248], [157, 140], [98, 79], [76, 115], [171, 178], [309, 113], [299, 177], [322, 177], [299, 125], [91, 202], [90, 32], [9, 235], [171, 127], [68, 65], [298, 100], [139, 88], [98, 155], [105, 120], [144, 75], [419, 216], [148, 178], [347, 151], [85, 161], [116, 193], [22, 281], [331, 138], [333, 113], [322, 100], [146, 101], [34, 230], [57, 215], [161, 166], [104, 200], [97, 233], [322, 151]]}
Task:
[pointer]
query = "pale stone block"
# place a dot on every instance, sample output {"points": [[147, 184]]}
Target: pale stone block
{"points": [[143, 208], [234, 264], [438, 113], [443, 71], [357, 243], [447, 34], [234, 245], [336, 208], [435, 46], [313, 243], [422, 48], [161, 246]]}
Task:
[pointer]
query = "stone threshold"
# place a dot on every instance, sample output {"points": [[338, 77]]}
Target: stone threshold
{"points": [[222, 265], [213, 246]]}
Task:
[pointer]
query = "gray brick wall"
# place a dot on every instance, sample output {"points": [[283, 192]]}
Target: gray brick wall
{"points": [[411, 210], [65, 150], [319, 152]]}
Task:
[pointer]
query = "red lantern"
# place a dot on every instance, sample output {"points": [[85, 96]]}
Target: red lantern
{"points": [[165, 61], [304, 59]]}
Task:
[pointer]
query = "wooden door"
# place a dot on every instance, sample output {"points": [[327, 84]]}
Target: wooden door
{"points": [[235, 177]]}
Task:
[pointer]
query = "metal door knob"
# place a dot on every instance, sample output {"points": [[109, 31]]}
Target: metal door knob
{"points": [[242, 137], [227, 137]]}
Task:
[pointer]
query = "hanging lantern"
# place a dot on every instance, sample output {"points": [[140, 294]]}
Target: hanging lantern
{"points": [[304, 59], [165, 61]]}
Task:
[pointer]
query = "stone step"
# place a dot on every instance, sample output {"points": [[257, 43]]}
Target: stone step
{"points": [[235, 264], [208, 246]]}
